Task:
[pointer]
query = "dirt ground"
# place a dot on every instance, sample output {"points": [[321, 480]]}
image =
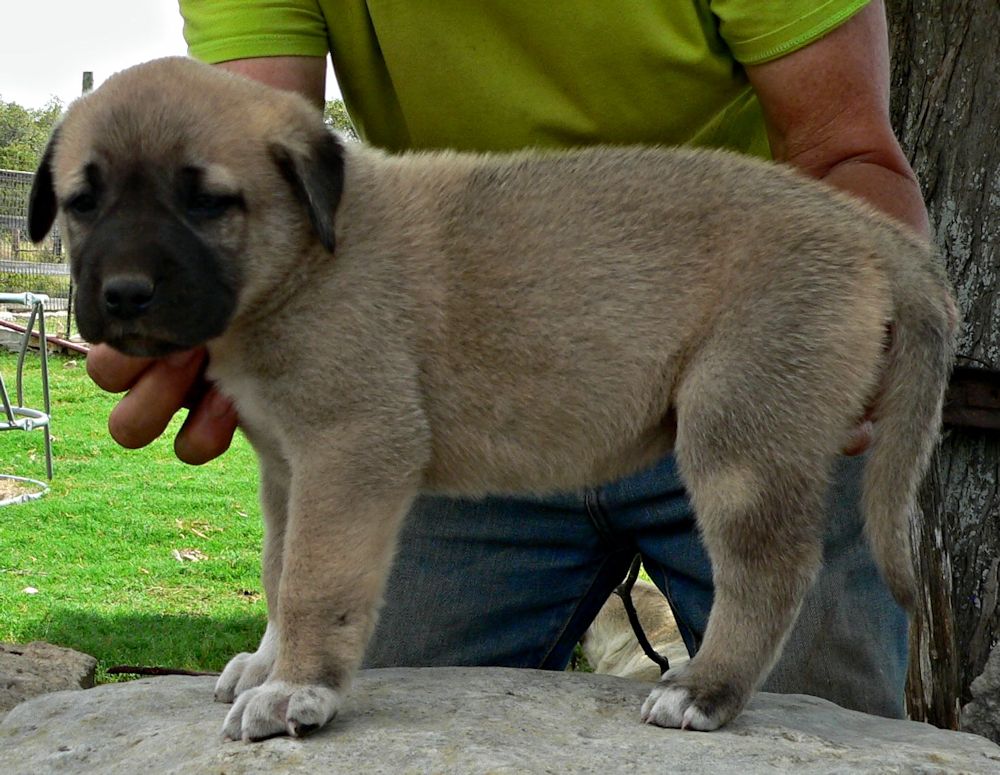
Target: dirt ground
{"points": [[11, 488]]}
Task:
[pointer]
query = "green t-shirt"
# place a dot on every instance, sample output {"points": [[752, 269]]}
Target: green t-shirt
{"points": [[506, 74]]}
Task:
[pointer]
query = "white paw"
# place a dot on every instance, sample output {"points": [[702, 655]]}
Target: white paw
{"points": [[242, 672], [246, 671], [279, 708], [674, 707]]}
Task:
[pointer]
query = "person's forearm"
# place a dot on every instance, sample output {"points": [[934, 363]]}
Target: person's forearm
{"points": [[895, 193], [305, 75]]}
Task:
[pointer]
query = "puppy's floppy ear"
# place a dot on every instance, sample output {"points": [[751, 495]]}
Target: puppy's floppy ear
{"points": [[42, 200], [316, 174]]}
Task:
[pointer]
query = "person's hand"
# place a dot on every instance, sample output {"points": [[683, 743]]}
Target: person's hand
{"points": [[863, 434], [157, 389]]}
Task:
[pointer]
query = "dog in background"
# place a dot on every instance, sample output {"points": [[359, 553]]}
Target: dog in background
{"points": [[524, 323], [610, 644]]}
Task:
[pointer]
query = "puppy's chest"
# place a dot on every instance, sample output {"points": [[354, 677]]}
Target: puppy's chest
{"points": [[248, 391]]}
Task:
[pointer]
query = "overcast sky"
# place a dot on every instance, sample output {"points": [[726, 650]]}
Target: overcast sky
{"points": [[48, 44]]}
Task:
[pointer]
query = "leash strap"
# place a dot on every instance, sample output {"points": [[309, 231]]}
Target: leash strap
{"points": [[624, 591]]}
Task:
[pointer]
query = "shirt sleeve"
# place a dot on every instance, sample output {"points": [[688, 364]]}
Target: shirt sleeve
{"points": [[220, 30], [759, 31]]}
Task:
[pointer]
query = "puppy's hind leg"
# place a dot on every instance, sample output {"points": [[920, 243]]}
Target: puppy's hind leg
{"points": [[757, 483]]}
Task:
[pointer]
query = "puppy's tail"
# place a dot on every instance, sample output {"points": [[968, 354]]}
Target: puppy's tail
{"points": [[925, 320]]}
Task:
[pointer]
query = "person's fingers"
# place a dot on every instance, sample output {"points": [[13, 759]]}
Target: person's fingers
{"points": [[863, 434], [112, 371], [861, 438], [874, 405], [155, 396], [208, 430]]}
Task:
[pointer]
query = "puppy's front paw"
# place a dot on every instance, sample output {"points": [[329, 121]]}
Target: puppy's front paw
{"points": [[242, 672], [248, 671], [680, 703], [279, 708]]}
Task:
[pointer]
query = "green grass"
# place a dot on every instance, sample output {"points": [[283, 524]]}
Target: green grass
{"points": [[100, 547], [56, 286]]}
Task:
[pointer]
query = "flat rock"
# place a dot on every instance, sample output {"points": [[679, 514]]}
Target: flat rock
{"points": [[37, 668], [982, 714], [469, 720]]}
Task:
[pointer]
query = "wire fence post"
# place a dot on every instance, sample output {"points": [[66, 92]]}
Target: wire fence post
{"points": [[25, 266]]}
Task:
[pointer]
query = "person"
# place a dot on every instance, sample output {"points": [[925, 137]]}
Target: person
{"points": [[516, 581]]}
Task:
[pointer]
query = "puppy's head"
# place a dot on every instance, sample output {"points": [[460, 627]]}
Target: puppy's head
{"points": [[186, 195]]}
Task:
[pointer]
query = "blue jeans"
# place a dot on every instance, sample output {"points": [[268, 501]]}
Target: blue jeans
{"points": [[515, 582]]}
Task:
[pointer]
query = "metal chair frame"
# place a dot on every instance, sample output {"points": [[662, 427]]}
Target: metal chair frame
{"points": [[15, 415]]}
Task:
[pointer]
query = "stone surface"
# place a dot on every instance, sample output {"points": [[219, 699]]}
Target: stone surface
{"points": [[468, 720], [37, 668], [982, 714]]}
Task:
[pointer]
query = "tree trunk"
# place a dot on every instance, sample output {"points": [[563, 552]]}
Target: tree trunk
{"points": [[946, 110]]}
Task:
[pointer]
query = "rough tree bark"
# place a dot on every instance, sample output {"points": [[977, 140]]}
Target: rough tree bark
{"points": [[946, 110]]}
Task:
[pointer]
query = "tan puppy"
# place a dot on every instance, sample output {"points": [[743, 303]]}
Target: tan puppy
{"points": [[476, 324], [612, 647]]}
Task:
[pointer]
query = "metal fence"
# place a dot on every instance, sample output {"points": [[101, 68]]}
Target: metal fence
{"points": [[24, 266]]}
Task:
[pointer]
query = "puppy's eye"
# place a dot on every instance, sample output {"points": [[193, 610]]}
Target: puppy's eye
{"points": [[206, 207], [82, 204]]}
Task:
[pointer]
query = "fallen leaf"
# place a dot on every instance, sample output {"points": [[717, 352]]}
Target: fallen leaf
{"points": [[189, 555]]}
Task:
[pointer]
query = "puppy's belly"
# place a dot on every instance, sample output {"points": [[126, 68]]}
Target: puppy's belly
{"points": [[476, 465]]}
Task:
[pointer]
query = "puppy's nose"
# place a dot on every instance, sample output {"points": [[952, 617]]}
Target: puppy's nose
{"points": [[127, 297]]}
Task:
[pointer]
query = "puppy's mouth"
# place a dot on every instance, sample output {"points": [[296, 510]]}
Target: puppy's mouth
{"points": [[150, 336], [170, 317], [144, 346], [161, 331]]}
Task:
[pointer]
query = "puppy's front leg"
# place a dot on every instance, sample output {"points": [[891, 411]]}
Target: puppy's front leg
{"points": [[345, 509], [247, 670]]}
